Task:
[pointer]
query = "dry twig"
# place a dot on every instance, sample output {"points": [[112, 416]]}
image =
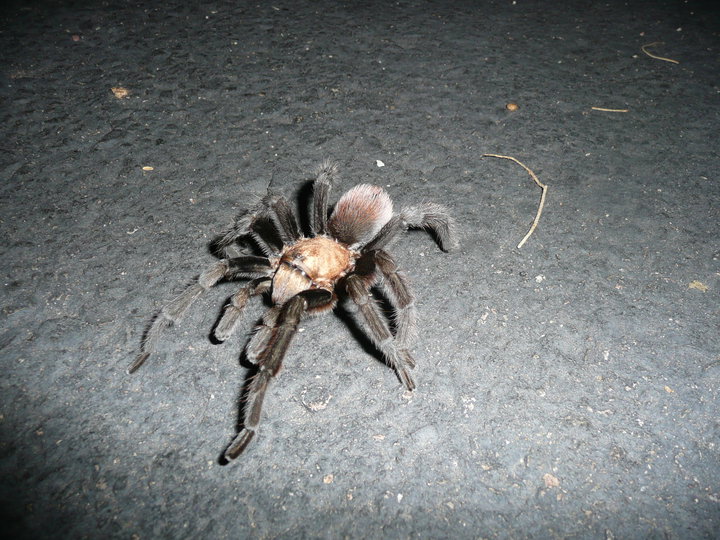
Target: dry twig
{"points": [[603, 109], [651, 55], [542, 197]]}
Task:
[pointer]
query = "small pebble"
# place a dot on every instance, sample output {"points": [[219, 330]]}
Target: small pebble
{"points": [[120, 92]]}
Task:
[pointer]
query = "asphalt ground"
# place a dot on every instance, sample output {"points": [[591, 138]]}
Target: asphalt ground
{"points": [[566, 389]]}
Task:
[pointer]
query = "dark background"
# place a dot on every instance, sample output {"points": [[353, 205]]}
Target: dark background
{"points": [[565, 389]]}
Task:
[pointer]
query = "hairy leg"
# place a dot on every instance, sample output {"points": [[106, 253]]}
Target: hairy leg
{"points": [[262, 334], [274, 344], [283, 217], [429, 216], [321, 192], [395, 285], [174, 311], [379, 331], [231, 315], [433, 217], [261, 224]]}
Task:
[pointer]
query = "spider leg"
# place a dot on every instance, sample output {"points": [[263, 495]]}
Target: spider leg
{"points": [[249, 224], [283, 217], [378, 329], [173, 312], [429, 216], [286, 320], [231, 315], [321, 193], [395, 285], [262, 334], [433, 217]]}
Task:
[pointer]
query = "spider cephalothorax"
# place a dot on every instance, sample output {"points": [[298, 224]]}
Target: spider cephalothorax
{"points": [[344, 256]]}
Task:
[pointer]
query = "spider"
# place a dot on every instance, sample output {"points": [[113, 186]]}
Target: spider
{"points": [[344, 256]]}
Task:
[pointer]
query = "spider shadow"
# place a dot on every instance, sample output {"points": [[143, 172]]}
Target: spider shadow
{"points": [[304, 198]]}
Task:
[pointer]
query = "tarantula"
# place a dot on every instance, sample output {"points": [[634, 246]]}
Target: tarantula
{"points": [[345, 256]]}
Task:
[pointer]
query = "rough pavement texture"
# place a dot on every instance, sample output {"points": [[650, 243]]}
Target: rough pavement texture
{"points": [[565, 389]]}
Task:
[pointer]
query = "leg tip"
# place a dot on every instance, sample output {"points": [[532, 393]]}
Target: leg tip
{"points": [[221, 337], [238, 445], [406, 379], [139, 361]]}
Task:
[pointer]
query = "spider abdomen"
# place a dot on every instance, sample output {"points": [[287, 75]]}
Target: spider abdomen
{"points": [[360, 214], [311, 263]]}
